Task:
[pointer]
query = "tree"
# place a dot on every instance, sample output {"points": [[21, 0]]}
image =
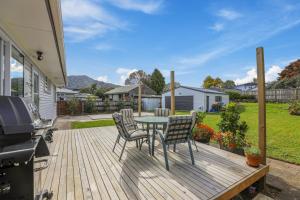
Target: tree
{"points": [[218, 83], [292, 70], [229, 84], [168, 86], [157, 81], [93, 88], [138, 77], [208, 82]]}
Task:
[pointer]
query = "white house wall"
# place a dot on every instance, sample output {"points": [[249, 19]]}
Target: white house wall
{"points": [[199, 98]]}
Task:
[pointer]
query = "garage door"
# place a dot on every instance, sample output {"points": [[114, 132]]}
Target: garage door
{"points": [[181, 102]]}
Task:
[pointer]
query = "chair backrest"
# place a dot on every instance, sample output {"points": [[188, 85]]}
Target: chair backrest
{"points": [[178, 129], [194, 116], [162, 112], [128, 118], [118, 119]]}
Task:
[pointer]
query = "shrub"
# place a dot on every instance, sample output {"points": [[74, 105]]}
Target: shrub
{"points": [[230, 123], [73, 106], [233, 96], [203, 133], [90, 104], [294, 108], [120, 105], [200, 117], [106, 105], [132, 103]]}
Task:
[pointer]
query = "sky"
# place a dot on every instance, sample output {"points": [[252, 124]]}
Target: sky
{"points": [[109, 39]]}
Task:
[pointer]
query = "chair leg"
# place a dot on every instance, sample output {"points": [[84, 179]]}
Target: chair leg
{"points": [[141, 143], [191, 152], [165, 155], [122, 150], [195, 145], [174, 148], [137, 144], [117, 141]]}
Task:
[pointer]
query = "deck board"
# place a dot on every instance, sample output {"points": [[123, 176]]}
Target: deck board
{"points": [[83, 166]]}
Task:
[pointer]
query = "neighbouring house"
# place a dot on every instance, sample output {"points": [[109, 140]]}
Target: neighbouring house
{"points": [[193, 98], [63, 94], [32, 60], [246, 86], [150, 100]]}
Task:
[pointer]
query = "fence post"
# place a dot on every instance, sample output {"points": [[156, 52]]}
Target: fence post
{"points": [[172, 87]]}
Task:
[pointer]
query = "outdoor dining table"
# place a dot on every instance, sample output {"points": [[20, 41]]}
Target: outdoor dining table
{"points": [[154, 121]]}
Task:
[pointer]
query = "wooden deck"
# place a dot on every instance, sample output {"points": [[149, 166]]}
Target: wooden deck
{"points": [[83, 166]]}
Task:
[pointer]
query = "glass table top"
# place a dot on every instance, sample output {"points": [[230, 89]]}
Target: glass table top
{"points": [[152, 119]]}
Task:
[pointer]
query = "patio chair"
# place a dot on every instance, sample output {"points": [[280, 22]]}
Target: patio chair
{"points": [[128, 135], [128, 119], [194, 116], [178, 131], [162, 112]]}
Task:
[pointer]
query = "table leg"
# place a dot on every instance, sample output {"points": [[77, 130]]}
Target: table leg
{"points": [[149, 142], [153, 138]]}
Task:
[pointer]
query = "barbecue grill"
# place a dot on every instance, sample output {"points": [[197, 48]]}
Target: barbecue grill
{"points": [[22, 140]]}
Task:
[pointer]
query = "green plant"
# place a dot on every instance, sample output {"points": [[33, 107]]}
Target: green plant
{"points": [[90, 104], [203, 133], [106, 105], [217, 106], [120, 105], [200, 117], [132, 103], [233, 96], [294, 108], [252, 151], [230, 122], [72, 106]]}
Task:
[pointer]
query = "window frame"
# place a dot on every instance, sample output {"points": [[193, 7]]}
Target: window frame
{"points": [[216, 99]]}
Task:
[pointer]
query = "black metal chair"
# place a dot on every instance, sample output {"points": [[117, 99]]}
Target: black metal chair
{"points": [[128, 135], [178, 131]]}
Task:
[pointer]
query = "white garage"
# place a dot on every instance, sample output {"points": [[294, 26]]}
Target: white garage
{"points": [[193, 98]]}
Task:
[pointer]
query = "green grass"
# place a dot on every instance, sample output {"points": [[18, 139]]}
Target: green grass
{"points": [[90, 124], [283, 130]]}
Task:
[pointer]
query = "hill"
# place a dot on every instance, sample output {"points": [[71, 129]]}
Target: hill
{"points": [[83, 81]]}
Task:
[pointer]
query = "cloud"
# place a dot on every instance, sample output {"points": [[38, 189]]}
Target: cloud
{"points": [[84, 19], [146, 6], [217, 27], [270, 75], [228, 14], [124, 73], [16, 67], [103, 78]]}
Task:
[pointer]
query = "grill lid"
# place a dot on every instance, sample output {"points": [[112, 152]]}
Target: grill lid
{"points": [[14, 116]]}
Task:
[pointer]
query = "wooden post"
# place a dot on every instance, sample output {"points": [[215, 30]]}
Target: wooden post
{"points": [[172, 87], [140, 100], [261, 106]]}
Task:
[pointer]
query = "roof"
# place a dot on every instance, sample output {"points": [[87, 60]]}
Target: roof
{"points": [[33, 26], [201, 90], [247, 84], [65, 90], [122, 89]]}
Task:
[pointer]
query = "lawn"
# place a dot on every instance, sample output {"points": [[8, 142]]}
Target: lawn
{"points": [[283, 130], [90, 124]]}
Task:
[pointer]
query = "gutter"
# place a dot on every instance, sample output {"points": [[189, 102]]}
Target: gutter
{"points": [[59, 51]]}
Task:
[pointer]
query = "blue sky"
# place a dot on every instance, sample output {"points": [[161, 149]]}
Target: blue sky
{"points": [[108, 39]]}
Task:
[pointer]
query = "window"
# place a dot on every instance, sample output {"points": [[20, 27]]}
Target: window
{"points": [[17, 73], [47, 86], [218, 99]]}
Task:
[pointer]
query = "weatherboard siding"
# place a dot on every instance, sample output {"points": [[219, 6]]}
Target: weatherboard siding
{"points": [[47, 99]]}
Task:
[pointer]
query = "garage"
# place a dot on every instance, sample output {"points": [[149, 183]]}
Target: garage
{"points": [[181, 102], [193, 98]]}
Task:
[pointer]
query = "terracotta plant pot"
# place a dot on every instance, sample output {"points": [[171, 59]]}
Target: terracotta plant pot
{"points": [[253, 160]]}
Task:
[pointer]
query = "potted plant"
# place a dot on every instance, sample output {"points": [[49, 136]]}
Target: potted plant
{"points": [[253, 157], [202, 133]]}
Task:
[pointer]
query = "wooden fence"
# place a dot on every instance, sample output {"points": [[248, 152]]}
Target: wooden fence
{"points": [[99, 106], [278, 95]]}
